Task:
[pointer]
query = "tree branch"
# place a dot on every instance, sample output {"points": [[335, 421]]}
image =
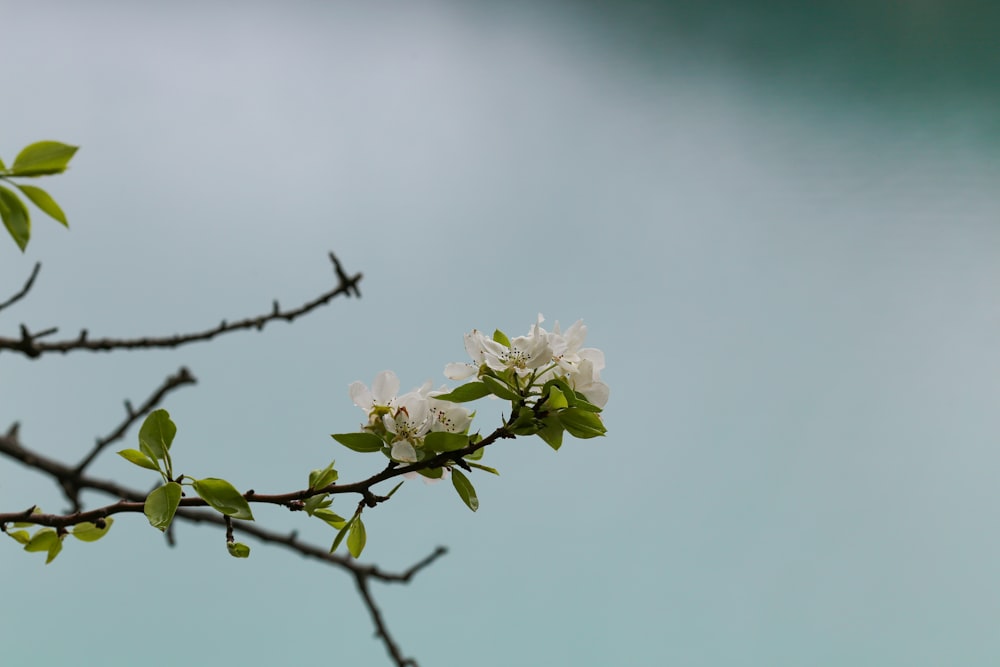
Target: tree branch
{"points": [[133, 502], [24, 290], [381, 630], [30, 344]]}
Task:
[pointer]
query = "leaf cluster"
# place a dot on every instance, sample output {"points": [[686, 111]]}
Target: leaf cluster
{"points": [[42, 158]]}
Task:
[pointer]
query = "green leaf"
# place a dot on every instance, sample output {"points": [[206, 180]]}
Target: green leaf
{"points": [[157, 433], [482, 467], [465, 393], [342, 533], [224, 497], [581, 423], [15, 217], [331, 517], [501, 338], [316, 503], [45, 539], [394, 490], [356, 538], [556, 399], [238, 550], [89, 532], [44, 201], [440, 441], [20, 535], [42, 158], [2, 166], [138, 458], [465, 489], [551, 432], [359, 442], [431, 473], [42, 540], [500, 389], [580, 401], [322, 477], [161, 503]]}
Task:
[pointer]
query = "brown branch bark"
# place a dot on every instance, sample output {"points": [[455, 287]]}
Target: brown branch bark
{"points": [[31, 345]]}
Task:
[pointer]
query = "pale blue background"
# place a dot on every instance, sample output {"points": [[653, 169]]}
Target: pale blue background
{"points": [[779, 222]]}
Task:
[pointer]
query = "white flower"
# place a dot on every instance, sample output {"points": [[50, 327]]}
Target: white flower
{"points": [[474, 346], [409, 422], [566, 347], [525, 354], [381, 397], [587, 379], [448, 416]]}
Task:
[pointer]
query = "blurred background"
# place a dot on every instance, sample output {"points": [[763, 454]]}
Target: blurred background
{"points": [[779, 221]]}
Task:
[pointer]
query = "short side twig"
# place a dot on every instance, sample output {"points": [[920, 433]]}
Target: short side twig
{"points": [[24, 290]]}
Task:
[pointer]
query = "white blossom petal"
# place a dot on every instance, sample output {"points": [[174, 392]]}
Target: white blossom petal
{"points": [[403, 451]]}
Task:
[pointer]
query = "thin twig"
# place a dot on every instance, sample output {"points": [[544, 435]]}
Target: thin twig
{"points": [[24, 290], [381, 630], [31, 346]]}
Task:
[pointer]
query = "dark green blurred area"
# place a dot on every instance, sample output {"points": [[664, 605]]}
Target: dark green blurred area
{"points": [[883, 52]]}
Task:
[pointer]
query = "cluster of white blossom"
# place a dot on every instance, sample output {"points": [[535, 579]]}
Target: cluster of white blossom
{"points": [[541, 355], [408, 418], [516, 369]]}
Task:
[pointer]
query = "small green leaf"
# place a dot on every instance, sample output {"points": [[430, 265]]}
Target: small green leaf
{"points": [[431, 473], [44, 201], [45, 539], [441, 441], [469, 391], [342, 533], [42, 540], [138, 458], [42, 158], [314, 503], [330, 517], [482, 467], [224, 497], [356, 538], [157, 433], [581, 423], [322, 477], [556, 400], [238, 550], [15, 217], [551, 432], [20, 535], [500, 389], [580, 401], [465, 489], [359, 442], [2, 166], [394, 490], [501, 338], [89, 532], [161, 503]]}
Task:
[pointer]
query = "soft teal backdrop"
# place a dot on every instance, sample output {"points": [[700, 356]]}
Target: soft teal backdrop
{"points": [[779, 220]]}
